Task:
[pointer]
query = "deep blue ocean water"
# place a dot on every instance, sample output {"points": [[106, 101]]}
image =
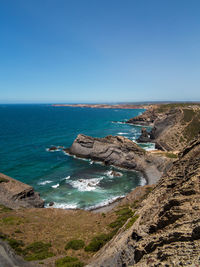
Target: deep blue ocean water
{"points": [[28, 130]]}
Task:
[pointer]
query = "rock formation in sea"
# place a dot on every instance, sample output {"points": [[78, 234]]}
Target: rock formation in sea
{"points": [[15, 194], [121, 152], [144, 137], [167, 229]]}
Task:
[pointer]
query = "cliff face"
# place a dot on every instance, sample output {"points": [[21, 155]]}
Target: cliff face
{"points": [[15, 194], [119, 151], [173, 125], [167, 232]]}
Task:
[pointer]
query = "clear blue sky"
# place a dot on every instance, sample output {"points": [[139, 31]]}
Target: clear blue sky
{"points": [[99, 50]]}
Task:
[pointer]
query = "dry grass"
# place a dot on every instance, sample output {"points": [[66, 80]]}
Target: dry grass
{"points": [[55, 226]]}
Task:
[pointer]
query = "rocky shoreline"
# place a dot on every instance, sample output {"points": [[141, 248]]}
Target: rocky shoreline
{"points": [[120, 152]]}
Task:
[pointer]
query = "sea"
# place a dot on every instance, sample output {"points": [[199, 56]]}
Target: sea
{"points": [[26, 133]]}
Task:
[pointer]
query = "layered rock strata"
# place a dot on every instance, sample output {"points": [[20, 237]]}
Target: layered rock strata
{"points": [[172, 126], [121, 152], [167, 231], [15, 194]]}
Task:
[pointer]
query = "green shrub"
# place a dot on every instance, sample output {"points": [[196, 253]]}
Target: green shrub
{"points": [[99, 241], [12, 220], [69, 262], [75, 244], [131, 221], [37, 251], [171, 155], [3, 236], [16, 245], [4, 208], [123, 215]]}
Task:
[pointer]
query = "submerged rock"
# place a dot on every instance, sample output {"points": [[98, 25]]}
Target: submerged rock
{"points": [[115, 174], [53, 148]]}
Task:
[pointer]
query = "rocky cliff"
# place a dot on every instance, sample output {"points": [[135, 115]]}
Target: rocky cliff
{"points": [[15, 194], [167, 231], [121, 152], [174, 125]]}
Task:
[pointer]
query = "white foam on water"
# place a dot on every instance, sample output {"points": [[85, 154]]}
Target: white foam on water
{"points": [[45, 182], [67, 178], [121, 133], [55, 186], [86, 184], [105, 202], [65, 206], [142, 181]]}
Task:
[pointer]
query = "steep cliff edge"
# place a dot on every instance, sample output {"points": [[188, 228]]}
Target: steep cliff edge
{"points": [[167, 231], [174, 125], [121, 152], [15, 194]]}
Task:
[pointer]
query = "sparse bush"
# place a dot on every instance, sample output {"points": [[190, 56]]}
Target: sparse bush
{"points": [[12, 220], [16, 245], [171, 155], [123, 215], [4, 208], [99, 241], [75, 244], [69, 262], [37, 251], [131, 221]]}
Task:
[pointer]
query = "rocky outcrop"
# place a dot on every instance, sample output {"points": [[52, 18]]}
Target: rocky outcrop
{"points": [[121, 152], [147, 118], [173, 126], [167, 231], [15, 194], [144, 137]]}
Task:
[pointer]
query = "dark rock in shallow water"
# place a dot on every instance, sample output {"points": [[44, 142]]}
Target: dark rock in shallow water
{"points": [[144, 137], [115, 174], [51, 203], [53, 148], [15, 194]]}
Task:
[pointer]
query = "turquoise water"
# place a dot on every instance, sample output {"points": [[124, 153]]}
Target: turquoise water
{"points": [[28, 130]]}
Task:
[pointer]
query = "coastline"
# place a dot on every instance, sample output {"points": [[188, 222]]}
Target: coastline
{"points": [[103, 106]]}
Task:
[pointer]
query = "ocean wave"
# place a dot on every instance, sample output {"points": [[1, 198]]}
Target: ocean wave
{"points": [[105, 202], [119, 122], [45, 182], [65, 206], [121, 133], [143, 181], [55, 186], [86, 184], [67, 178]]}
